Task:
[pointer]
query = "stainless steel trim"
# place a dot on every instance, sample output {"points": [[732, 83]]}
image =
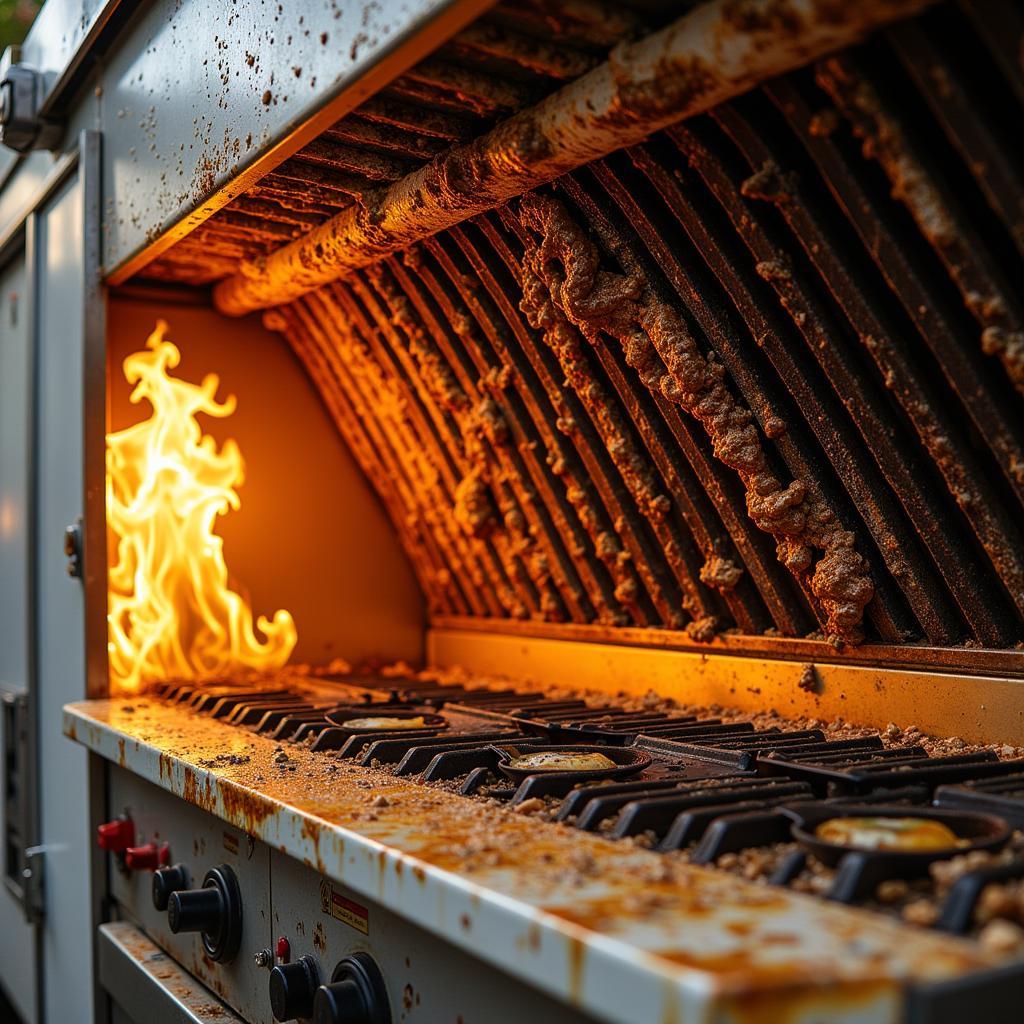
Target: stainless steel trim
{"points": [[149, 986], [970, 661]]}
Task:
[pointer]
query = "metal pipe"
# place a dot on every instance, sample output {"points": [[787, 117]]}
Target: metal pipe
{"points": [[711, 54]]}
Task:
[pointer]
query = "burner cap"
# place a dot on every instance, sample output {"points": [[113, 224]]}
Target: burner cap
{"points": [[384, 718], [521, 762]]}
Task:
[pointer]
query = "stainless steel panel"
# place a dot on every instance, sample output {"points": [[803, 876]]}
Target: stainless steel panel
{"points": [[200, 842], [197, 92], [14, 476], [147, 986], [428, 981], [17, 936]]}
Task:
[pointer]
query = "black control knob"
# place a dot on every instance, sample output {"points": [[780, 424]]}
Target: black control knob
{"points": [[292, 987], [356, 994], [166, 881], [215, 911]]}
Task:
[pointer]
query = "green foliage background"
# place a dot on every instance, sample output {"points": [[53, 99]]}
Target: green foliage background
{"points": [[15, 18]]}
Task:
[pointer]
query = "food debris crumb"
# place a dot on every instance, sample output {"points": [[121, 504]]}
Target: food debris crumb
{"points": [[808, 680], [1001, 936], [531, 806], [922, 912]]}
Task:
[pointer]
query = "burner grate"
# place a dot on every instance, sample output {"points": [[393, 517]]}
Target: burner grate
{"points": [[712, 788]]}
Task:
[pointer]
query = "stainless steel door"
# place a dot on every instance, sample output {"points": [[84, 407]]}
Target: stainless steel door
{"points": [[51, 338], [60, 645], [17, 934]]}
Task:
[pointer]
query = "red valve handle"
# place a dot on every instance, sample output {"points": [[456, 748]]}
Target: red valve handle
{"points": [[147, 858], [116, 836]]}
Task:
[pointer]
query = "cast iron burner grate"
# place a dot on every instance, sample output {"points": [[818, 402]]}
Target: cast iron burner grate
{"points": [[705, 786]]}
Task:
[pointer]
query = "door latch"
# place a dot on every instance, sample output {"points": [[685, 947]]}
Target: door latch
{"points": [[73, 548]]}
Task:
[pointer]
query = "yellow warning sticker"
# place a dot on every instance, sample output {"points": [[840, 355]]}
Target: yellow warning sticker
{"points": [[341, 908]]}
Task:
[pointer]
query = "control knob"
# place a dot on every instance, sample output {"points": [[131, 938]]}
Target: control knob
{"points": [[215, 911], [292, 987], [166, 881], [356, 994]]}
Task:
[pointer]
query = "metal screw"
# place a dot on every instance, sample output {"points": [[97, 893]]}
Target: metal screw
{"points": [[264, 958]]}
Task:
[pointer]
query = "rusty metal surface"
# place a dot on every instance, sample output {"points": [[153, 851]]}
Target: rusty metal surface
{"points": [[198, 100], [716, 51], [625, 934]]}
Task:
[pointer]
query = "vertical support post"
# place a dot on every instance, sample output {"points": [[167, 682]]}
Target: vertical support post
{"points": [[95, 415]]}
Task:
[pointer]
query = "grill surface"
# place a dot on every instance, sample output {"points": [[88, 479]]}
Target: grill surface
{"points": [[842, 241]]}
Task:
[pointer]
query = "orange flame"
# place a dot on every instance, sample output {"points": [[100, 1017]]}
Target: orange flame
{"points": [[172, 614]]}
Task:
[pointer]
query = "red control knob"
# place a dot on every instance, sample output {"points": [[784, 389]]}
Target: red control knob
{"points": [[146, 858], [116, 836]]}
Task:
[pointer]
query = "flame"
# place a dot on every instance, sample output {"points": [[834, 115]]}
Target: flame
{"points": [[172, 614]]}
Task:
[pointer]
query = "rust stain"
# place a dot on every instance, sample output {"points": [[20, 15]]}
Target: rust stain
{"points": [[246, 809], [797, 1004], [120, 753], [577, 954]]}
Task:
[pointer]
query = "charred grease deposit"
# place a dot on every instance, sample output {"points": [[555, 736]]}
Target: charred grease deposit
{"points": [[565, 289]]}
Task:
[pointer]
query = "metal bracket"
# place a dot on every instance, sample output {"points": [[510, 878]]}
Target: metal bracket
{"points": [[22, 92]]}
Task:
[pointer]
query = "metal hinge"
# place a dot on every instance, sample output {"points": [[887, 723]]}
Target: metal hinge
{"points": [[22, 93]]}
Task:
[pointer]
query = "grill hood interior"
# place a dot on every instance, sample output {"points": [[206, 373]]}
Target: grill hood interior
{"points": [[838, 251]]}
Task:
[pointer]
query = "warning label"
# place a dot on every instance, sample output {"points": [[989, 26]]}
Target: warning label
{"points": [[343, 909]]}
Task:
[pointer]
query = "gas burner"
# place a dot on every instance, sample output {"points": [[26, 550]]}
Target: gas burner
{"points": [[860, 870], [371, 720]]}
